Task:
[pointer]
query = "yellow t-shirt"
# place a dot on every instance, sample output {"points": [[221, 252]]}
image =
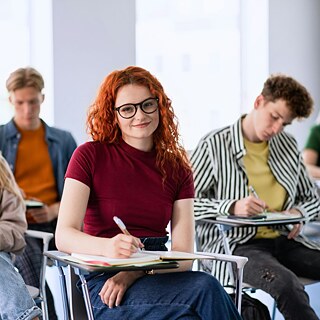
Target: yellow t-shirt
{"points": [[33, 169], [263, 181]]}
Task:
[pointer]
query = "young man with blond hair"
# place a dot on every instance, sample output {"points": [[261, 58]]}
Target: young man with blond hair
{"points": [[38, 155]]}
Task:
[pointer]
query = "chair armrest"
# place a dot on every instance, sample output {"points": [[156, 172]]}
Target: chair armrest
{"points": [[45, 236], [240, 261]]}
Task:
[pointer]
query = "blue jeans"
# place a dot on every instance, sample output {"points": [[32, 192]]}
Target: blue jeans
{"points": [[15, 300], [274, 266], [168, 296]]}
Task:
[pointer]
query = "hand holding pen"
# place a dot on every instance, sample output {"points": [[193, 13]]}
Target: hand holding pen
{"points": [[248, 206], [125, 231], [254, 193]]}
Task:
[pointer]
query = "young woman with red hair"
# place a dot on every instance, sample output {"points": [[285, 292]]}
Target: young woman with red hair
{"points": [[136, 169]]}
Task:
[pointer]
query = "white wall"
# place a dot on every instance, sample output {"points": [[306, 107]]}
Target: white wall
{"points": [[294, 49], [90, 39]]}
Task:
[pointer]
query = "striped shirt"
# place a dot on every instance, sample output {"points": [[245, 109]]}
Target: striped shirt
{"points": [[220, 180]]}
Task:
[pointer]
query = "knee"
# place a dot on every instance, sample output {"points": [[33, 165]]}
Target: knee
{"points": [[283, 283], [206, 282], [5, 260]]}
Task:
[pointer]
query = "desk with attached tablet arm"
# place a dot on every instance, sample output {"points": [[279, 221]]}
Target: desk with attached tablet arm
{"points": [[81, 270]]}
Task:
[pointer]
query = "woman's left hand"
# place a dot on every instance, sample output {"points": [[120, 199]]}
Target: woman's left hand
{"points": [[114, 288]]}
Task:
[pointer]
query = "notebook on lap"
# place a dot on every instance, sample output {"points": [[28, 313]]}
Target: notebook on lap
{"points": [[262, 219]]}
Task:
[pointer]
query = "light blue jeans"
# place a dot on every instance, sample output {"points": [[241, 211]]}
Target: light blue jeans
{"points": [[15, 300]]}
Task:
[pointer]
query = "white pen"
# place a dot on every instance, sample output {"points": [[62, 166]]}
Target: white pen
{"points": [[253, 191], [251, 188], [122, 227]]}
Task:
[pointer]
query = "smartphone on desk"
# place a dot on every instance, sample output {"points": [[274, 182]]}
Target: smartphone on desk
{"points": [[33, 204], [255, 217]]}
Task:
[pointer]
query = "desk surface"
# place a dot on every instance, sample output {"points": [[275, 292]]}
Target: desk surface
{"points": [[222, 219], [58, 256]]}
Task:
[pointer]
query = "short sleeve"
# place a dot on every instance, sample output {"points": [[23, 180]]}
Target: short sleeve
{"points": [[186, 190], [81, 164]]}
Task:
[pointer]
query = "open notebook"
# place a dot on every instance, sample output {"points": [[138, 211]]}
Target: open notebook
{"points": [[137, 259], [263, 218]]}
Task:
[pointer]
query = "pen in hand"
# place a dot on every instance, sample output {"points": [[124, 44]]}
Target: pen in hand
{"points": [[253, 191], [122, 227]]}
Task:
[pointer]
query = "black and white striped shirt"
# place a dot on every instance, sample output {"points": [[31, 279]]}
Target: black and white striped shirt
{"points": [[220, 179]]}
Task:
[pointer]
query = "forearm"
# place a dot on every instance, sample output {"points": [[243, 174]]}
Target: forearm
{"points": [[70, 240], [205, 208]]}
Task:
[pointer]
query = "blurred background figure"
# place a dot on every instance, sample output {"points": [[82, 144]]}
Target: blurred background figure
{"points": [[15, 300], [311, 152], [38, 156]]}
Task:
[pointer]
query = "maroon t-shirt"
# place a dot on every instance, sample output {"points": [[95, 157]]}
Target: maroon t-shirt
{"points": [[126, 183]]}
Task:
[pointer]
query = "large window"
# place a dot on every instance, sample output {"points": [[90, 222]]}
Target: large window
{"points": [[195, 48], [26, 40]]}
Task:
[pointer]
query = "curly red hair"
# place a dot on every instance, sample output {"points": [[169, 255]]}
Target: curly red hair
{"points": [[102, 121]]}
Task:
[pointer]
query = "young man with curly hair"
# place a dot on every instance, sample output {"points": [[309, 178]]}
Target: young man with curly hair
{"points": [[255, 151]]}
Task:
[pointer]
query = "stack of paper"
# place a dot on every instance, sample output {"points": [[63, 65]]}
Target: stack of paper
{"points": [[140, 258]]}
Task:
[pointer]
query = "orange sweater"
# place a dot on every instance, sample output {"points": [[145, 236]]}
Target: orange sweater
{"points": [[34, 172]]}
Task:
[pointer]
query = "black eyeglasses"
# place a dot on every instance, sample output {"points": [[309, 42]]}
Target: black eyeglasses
{"points": [[129, 110]]}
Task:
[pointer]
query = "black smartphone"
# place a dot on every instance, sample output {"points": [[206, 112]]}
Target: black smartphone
{"points": [[33, 204]]}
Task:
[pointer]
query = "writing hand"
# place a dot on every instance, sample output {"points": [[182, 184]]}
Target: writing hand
{"points": [[248, 206], [122, 246], [114, 288]]}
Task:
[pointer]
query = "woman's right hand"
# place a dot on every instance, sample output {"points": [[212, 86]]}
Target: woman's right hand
{"points": [[122, 246]]}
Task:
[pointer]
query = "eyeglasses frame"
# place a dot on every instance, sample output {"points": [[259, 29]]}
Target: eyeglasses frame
{"points": [[136, 105]]}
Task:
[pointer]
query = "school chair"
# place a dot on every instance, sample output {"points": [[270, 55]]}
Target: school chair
{"points": [[69, 272], [39, 294], [245, 286]]}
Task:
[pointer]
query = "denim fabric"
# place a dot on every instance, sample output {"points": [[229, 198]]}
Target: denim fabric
{"points": [[29, 264], [61, 145], [15, 301], [274, 265], [169, 296]]}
